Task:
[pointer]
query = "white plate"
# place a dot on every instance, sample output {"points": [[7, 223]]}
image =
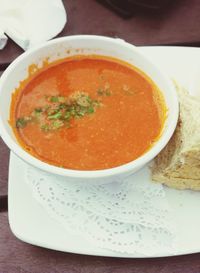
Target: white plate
{"points": [[30, 223]]}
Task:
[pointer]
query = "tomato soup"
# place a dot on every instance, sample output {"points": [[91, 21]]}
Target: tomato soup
{"points": [[87, 113]]}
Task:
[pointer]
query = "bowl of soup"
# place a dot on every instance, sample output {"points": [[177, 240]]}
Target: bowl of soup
{"points": [[86, 107]]}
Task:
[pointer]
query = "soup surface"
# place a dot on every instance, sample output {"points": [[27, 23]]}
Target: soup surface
{"points": [[87, 113]]}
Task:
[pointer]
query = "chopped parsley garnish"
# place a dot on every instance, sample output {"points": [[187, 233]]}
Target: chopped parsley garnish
{"points": [[37, 112], [60, 110], [103, 92], [57, 124], [45, 127], [53, 99], [21, 123], [56, 99], [57, 115], [67, 115], [90, 110]]}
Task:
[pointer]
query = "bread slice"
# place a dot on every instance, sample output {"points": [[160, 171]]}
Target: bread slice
{"points": [[178, 164]]}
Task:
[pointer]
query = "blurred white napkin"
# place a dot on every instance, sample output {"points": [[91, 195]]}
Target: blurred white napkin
{"points": [[30, 22]]}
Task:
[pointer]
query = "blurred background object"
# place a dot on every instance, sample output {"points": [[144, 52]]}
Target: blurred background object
{"points": [[127, 8], [3, 39], [32, 22]]}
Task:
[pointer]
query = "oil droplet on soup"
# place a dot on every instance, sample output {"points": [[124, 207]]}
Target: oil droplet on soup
{"points": [[87, 113]]}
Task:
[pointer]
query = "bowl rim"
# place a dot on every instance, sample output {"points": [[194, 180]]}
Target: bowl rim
{"points": [[119, 170]]}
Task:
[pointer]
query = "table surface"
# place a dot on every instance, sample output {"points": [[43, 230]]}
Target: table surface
{"points": [[177, 25]]}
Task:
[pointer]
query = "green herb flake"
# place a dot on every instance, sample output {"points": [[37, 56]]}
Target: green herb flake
{"points": [[54, 99], [45, 127], [62, 111], [21, 123], [62, 106], [57, 124], [82, 112], [37, 112], [67, 115], [57, 115], [72, 110], [61, 99], [88, 98], [90, 110], [51, 111]]}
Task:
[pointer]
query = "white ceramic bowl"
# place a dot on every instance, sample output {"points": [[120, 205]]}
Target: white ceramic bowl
{"points": [[85, 44]]}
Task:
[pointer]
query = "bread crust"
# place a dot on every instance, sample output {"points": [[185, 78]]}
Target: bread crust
{"points": [[178, 164]]}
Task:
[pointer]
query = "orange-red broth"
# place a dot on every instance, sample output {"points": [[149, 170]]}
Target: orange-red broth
{"points": [[126, 125]]}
